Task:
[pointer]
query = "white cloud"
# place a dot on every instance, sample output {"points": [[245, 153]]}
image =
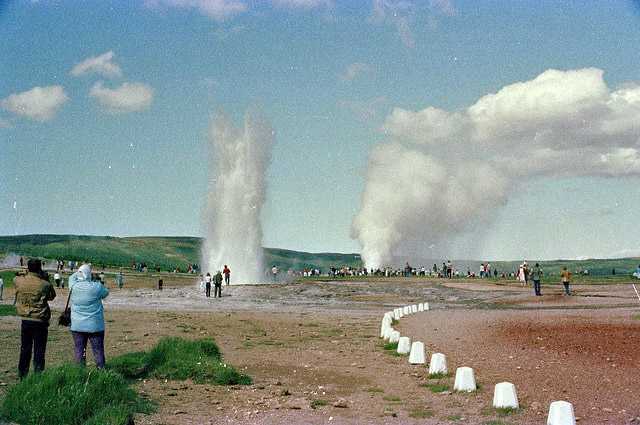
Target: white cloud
{"points": [[129, 97], [38, 104], [355, 70], [302, 4], [102, 64], [218, 10], [442, 173]]}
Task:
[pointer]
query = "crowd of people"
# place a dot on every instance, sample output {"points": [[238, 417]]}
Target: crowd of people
{"points": [[524, 273], [216, 280]]}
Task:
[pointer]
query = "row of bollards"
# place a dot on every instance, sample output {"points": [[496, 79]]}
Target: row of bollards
{"points": [[504, 395]]}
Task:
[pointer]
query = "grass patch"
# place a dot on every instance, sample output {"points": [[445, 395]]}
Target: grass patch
{"points": [[420, 413], [180, 359], [394, 322], [7, 310], [375, 390], [393, 398], [70, 395], [454, 418], [318, 403], [7, 277], [439, 375], [636, 317], [436, 387], [496, 422], [390, 346], [506, 411]]}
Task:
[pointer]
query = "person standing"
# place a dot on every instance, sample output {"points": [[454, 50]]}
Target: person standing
{"points": [[87, 315], [566, 280], [120, 279], [227, 274], [217, 282], [33, 294], [536, 275], [526, 272], [274, 273], [56, 279], [1, 287], [521, 277], [207, 285]]}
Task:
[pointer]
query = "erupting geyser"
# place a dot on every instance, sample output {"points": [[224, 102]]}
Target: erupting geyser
{"points": [[239, 158], [426, 186]]}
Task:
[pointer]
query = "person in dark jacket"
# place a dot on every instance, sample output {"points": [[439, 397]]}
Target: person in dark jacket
{"points": [[217, 281], [536, 275], [33, 294]]}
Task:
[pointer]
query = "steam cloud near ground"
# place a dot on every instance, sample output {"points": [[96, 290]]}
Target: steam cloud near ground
{"points": [[442, 173], [239, 158]]}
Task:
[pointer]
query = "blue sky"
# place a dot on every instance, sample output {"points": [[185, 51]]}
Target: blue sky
{"points": [[325, 73]]}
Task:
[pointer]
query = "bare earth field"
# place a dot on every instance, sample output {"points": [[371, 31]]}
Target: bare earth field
{"points": [[313, 350]]}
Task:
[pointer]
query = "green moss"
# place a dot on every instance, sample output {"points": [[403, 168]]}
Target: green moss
{"points": [[318, 403]]}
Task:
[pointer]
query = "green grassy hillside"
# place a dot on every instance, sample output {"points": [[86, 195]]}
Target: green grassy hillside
{"points": [[171, 252], [165, 252]]}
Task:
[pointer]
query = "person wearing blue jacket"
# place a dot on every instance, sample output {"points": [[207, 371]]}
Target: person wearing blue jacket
{"points": [[87, 315]]}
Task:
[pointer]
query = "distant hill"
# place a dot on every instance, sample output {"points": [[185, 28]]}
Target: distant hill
{"points": [[171, 252], [165, 252]]}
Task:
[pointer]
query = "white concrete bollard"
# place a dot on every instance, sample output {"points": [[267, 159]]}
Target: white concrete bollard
{"points": [[426, 306], [420, 307], [416, 356], [504, 396], [406, 310], [404, 345], [465, 381], [394, 337], [396, 313], [414, 308], [386, 323], [561, 413], [387, 333], [438, 364]]}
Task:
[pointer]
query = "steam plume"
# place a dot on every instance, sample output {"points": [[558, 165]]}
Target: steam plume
{"points": [[236, 195], [442, 173]]}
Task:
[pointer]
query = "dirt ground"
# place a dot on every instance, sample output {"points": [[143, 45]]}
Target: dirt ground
{"points": [[312, 348]]}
